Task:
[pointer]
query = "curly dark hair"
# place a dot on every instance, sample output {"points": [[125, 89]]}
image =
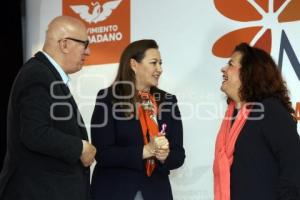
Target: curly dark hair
{"points": [[260, 77]]}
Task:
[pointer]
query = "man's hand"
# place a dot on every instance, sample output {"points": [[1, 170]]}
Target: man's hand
{"points": [[88, 154]]}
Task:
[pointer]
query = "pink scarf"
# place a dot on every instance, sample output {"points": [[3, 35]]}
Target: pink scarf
{"points": [[224, 149]]}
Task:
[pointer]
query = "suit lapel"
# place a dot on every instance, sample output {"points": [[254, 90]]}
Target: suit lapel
{"points": [[77, 113], [41, 57]]}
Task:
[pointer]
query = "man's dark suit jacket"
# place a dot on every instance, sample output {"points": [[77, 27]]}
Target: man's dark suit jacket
{"points": [[44, 138], [120, 171]]}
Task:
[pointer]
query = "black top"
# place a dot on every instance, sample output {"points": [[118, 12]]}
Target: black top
{"points": [[120, 169], [266, 162]]}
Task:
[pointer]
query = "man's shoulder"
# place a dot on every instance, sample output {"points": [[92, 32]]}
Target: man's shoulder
{"points": [[33, 65], [34, 71]]}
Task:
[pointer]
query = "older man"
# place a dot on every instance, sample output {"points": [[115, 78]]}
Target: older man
{"points": [[48, 153]]}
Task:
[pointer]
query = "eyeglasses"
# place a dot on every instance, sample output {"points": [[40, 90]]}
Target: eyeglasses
{"points": [[85, 43]]}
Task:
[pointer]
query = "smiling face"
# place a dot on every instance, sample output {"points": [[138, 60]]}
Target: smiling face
{"points": [[231, 77], [148, 70]]}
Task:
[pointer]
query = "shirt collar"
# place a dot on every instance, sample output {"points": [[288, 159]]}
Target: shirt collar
{"points": [[61, 72]]}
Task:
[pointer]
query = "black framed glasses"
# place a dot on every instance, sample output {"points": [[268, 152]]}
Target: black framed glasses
{"points": [[84, 42]]}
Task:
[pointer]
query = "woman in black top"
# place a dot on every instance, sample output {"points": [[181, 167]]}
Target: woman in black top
{"points": [[134, 160], [266, 156]]}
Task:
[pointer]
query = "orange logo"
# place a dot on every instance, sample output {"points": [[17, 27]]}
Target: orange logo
{"points": [[108, 24], [264, 14]]}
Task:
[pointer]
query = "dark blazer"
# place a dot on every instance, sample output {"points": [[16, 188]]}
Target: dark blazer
{"points": [[266, 163], [44, 139], [120, 169]]}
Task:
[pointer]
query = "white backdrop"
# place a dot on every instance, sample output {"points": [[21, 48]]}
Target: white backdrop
{"points": [[185, 32]]}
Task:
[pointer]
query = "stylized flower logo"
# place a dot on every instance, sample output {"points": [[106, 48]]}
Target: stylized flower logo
{"points": [[262, 14]]}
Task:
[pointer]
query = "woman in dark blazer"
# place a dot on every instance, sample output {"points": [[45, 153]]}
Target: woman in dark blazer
{"points": [[135, 155], [258, 148]]}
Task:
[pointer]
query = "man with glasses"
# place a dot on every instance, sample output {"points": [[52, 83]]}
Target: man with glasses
{"points": [[84, 42], [48, 153]]}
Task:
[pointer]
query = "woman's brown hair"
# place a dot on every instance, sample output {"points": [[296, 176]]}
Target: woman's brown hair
{"points": [[124, 84], [260, 77]]}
